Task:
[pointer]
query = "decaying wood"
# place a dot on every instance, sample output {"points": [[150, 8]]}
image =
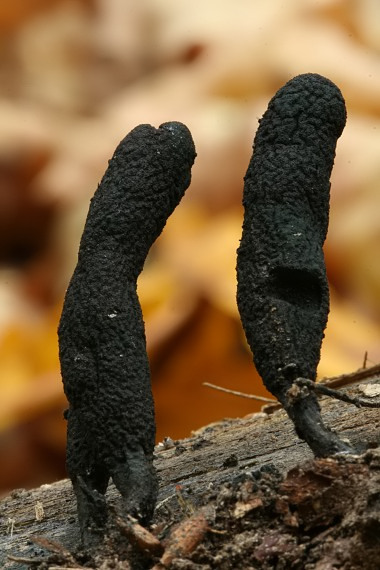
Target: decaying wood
{"points": [[213, 455]]}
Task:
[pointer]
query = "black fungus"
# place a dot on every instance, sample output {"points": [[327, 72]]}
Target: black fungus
{"points": [[283, 294], [104, 364]]}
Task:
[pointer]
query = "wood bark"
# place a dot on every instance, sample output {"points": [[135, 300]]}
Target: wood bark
{"points": [[213, 455]]}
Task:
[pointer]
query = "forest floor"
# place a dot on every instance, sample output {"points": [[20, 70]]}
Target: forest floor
{"points": [[323, 515], [241, 493]]}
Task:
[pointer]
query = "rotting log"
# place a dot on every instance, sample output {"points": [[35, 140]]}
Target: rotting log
{"points": [[214, 455]]}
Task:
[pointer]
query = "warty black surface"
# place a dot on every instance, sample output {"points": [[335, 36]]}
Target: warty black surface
{"points": [[283, 293], [102, 347]]}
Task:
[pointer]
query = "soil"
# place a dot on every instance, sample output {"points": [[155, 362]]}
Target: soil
{"points": [[322, 515]]}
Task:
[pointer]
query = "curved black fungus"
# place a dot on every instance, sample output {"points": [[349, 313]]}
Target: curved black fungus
{"points": [[283, 294], [104, 364]]}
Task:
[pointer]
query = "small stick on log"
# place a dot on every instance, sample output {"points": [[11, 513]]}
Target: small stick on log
{"points": [[321, 387], [325, 391], [241, 394]]}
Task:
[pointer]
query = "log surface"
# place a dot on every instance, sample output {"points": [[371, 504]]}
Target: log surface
{"points": [[212, 456]]}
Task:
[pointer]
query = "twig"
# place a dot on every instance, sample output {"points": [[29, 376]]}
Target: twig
{"points": [[54, 547], [336, 381], [141, 537], [24, 560], [10, 526], [164, 501], [69, 568], [352, 377], [321, 389], [241, 394]]}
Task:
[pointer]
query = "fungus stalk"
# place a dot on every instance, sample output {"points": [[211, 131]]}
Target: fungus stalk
{"points": [[283, 294], [104, 364]]}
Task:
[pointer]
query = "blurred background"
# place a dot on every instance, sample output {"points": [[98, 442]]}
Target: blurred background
{"points": [[75, 77]]}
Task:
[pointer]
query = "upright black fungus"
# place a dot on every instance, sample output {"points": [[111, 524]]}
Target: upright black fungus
{"points": [[283, 294], [104, 364]]}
